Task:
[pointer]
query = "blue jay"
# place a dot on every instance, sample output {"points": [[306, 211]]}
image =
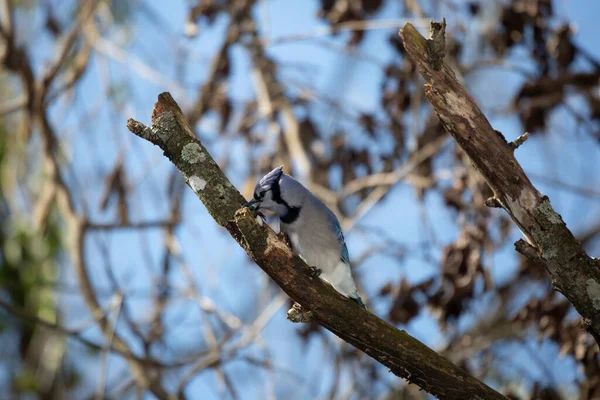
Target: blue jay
{"points": [[313, 229]]}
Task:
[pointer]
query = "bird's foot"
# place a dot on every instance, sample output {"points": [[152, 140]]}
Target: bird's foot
{"points": [[257, 213], [285, 238], [314, 272]]}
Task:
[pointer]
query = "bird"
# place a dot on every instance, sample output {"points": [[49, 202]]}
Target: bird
{"points": [[313, 229]]}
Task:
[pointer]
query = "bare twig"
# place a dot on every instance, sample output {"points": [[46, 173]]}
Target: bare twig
{"points": [[6, 19], [111, 50], [271, 93], [391, 178], [75, 334], [358, 25], [104, 369], [97, 226], [85, 12], [13, 105], [515, 144], [208, 88], [566, 186]]}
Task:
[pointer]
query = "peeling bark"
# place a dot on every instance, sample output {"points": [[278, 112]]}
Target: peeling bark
{"points": [[405, 356], [550, 242]]}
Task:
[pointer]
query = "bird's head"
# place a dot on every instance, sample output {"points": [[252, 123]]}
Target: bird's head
{"points": [[278, 193]]}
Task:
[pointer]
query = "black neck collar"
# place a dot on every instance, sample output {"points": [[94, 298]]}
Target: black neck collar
{"points": [[292, 212], [292, 215]]}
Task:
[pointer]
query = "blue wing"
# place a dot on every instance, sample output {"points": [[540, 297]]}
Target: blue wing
{"points": [[337, 230], [345, 257]]}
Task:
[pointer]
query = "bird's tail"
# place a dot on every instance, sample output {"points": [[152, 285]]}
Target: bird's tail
{"points": [[358, 301]]}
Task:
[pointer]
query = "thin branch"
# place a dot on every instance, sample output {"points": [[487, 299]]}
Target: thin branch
{"points": [[270, 92], [515, 144], [383, 182], [75, 73], [75, 334], [566, 186], [104, 369], [6, 19], [391, 178], [111, 50], [357, 25], [215, 358], [98, 226], [207, 90], [85, 12], [13, 105]]}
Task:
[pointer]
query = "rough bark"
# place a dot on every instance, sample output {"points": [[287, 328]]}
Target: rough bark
{"points": [[549, 241], [405, 356]]}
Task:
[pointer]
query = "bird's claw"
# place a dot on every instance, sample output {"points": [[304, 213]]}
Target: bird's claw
{"points": [[256, 213], [285, 238], [314, 272]]}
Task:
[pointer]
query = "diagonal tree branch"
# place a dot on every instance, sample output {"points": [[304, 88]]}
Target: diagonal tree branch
{"points": [[405, 356], [549, 241]]}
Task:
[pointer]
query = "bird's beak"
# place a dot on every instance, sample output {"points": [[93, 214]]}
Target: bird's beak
{"points": [[251, 204]]}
